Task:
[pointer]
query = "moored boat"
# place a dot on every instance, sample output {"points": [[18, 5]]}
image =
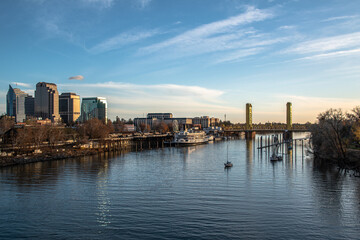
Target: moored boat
{"points": [[190, 137]]}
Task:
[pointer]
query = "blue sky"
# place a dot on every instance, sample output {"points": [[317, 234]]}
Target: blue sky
{"points": [[188, 57]]}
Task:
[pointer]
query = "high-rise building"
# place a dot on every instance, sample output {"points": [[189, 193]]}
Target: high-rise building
{"points": [[47, 101], [289, 116], [94, 107], [69, 107], [18, 104], [29, 106], [248, 116]]}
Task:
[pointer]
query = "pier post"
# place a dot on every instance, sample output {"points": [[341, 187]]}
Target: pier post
{"points": [[302, 149]]}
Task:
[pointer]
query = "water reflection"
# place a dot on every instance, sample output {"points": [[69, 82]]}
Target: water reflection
{"points": [[104, 204], [249, 158], [172, 192]]}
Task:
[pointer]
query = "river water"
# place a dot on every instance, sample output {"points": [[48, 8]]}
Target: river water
{"points": [[179, 193]]}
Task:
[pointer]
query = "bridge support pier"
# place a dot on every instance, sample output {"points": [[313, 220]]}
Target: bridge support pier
{"points": [[249, 135], [288, 135]]}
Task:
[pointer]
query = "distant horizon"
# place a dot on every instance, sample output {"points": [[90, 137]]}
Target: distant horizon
{"points": [[200, 58], [222, 118]]}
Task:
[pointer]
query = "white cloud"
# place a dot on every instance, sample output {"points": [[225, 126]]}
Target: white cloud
{"points": [[286, 27], [121, 40], [173, 90], [143, 3], [340, 42], [100, 3], [21, 84], [332, 54], [239, 54], [77, 77], [212, 34], [140, 98], [340, 18]]}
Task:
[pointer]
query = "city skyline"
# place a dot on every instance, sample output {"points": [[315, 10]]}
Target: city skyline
{"points": [[181, 57]]}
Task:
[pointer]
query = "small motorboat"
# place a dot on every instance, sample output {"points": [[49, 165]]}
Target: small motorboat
{"points": [[276, 158], [228, 164]]}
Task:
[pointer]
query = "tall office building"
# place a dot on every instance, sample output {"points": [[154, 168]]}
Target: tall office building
{"points": [[248, 116], [94, 107], [47, 101], [289, 116], [69, 107], [15, 104], [29, 106]]}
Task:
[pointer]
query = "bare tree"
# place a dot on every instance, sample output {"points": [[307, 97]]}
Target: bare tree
{"points": [[330, 136]]}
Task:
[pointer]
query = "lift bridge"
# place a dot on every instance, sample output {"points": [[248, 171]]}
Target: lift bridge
{"points": [[250, 132]]}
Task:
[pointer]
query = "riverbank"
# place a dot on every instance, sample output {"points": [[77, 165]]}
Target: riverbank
{"points": [[16, 156], [45, 156]]}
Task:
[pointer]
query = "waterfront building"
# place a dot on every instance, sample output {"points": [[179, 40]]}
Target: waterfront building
{"points": [[19, 104], [150, 123], [69, 107], [248, 116], [214, 122], [144, 124], [160, 115], [289, 116], [183, 123], [94, 107], [47, 101], [203, 121]]}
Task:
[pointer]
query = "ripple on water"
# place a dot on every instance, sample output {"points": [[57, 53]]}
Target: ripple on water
{"points": [[182, 193]]}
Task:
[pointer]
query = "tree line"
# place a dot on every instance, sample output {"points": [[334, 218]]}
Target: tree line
{"points": [[336, 138]]}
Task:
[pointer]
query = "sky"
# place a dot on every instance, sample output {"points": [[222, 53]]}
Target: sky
{"points": [[188, 57]]}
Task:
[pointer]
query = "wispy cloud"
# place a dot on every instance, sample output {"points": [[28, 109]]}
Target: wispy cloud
{"points": [[21, 84], [239, 54], [340, 42], [121, 40], [53, 29], [340, 18], [139, 98], [99, 3], [210, 95], [286, 27], [213, 36], [332, 54], [77, 77], [143, 3]]}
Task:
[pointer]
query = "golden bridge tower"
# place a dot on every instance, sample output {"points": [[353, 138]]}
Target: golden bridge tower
{"points": [[248, 116], [289, 116]]}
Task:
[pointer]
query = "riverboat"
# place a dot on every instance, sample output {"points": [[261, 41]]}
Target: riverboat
{"points": [[190, 137]]}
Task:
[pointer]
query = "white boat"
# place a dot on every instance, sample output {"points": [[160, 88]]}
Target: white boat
{"points": [[190, 138], [210, 138], [228, 164]]}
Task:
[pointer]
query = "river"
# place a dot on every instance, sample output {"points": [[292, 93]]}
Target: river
{"points": [[179, 193]]}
